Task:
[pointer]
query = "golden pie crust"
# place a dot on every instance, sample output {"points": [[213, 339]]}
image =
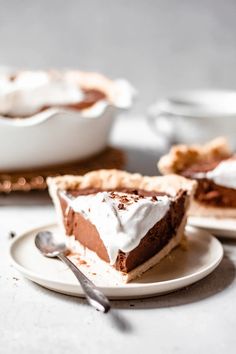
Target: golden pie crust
{"points": [[181, 157], [112, 179]]}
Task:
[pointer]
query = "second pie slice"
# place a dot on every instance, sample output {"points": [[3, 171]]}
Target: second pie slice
{"points": [[213, 166], [128, 221]]}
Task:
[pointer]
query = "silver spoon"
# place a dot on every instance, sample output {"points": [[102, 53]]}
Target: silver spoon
{"points": [[51, 246]]}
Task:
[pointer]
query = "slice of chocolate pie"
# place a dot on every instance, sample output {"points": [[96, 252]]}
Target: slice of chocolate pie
{"points": [[126, 220], [213, 166]]}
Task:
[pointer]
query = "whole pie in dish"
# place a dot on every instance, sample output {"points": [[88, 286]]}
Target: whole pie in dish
{"points": [[128, 221], [213, 166]]}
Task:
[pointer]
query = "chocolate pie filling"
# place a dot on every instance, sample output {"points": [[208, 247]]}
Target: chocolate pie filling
{"points": [[156, 238], [207, 191], [90, 98]]}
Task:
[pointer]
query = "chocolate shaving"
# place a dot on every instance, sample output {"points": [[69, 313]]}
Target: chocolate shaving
{"points": [[121, 206], [124, 199]]}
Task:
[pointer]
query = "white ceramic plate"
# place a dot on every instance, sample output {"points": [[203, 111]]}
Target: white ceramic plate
{"points": [[218, 227], [181, 268]]}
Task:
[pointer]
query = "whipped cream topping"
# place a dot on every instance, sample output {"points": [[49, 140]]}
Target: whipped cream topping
{"points": [[224, 174], [27, 92], [121, 219]]}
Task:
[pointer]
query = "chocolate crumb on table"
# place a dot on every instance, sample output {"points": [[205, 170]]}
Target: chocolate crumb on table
{"points": [[82, 261], [12, 234]]}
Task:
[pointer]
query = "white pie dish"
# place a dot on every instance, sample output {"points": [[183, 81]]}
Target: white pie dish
{"points": [[61, 135]]}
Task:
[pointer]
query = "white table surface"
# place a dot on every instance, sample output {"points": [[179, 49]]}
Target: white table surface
{"points": [[197, 319]]}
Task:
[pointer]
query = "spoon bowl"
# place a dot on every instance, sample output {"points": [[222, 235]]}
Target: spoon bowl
{"points": [[51, 246]]}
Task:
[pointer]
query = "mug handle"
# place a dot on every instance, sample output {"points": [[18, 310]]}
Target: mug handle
{"points": [[162, 124]]}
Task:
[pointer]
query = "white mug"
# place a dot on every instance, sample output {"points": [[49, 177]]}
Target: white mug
{"points": [[195, 116]]}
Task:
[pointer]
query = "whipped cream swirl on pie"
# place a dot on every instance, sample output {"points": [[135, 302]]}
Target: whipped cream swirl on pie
{"points": [[26, 93], [29, 91], [224, 174], [121, 219]]}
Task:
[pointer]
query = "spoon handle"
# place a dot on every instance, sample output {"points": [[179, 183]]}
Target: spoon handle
{"points": [[94, 296]]}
